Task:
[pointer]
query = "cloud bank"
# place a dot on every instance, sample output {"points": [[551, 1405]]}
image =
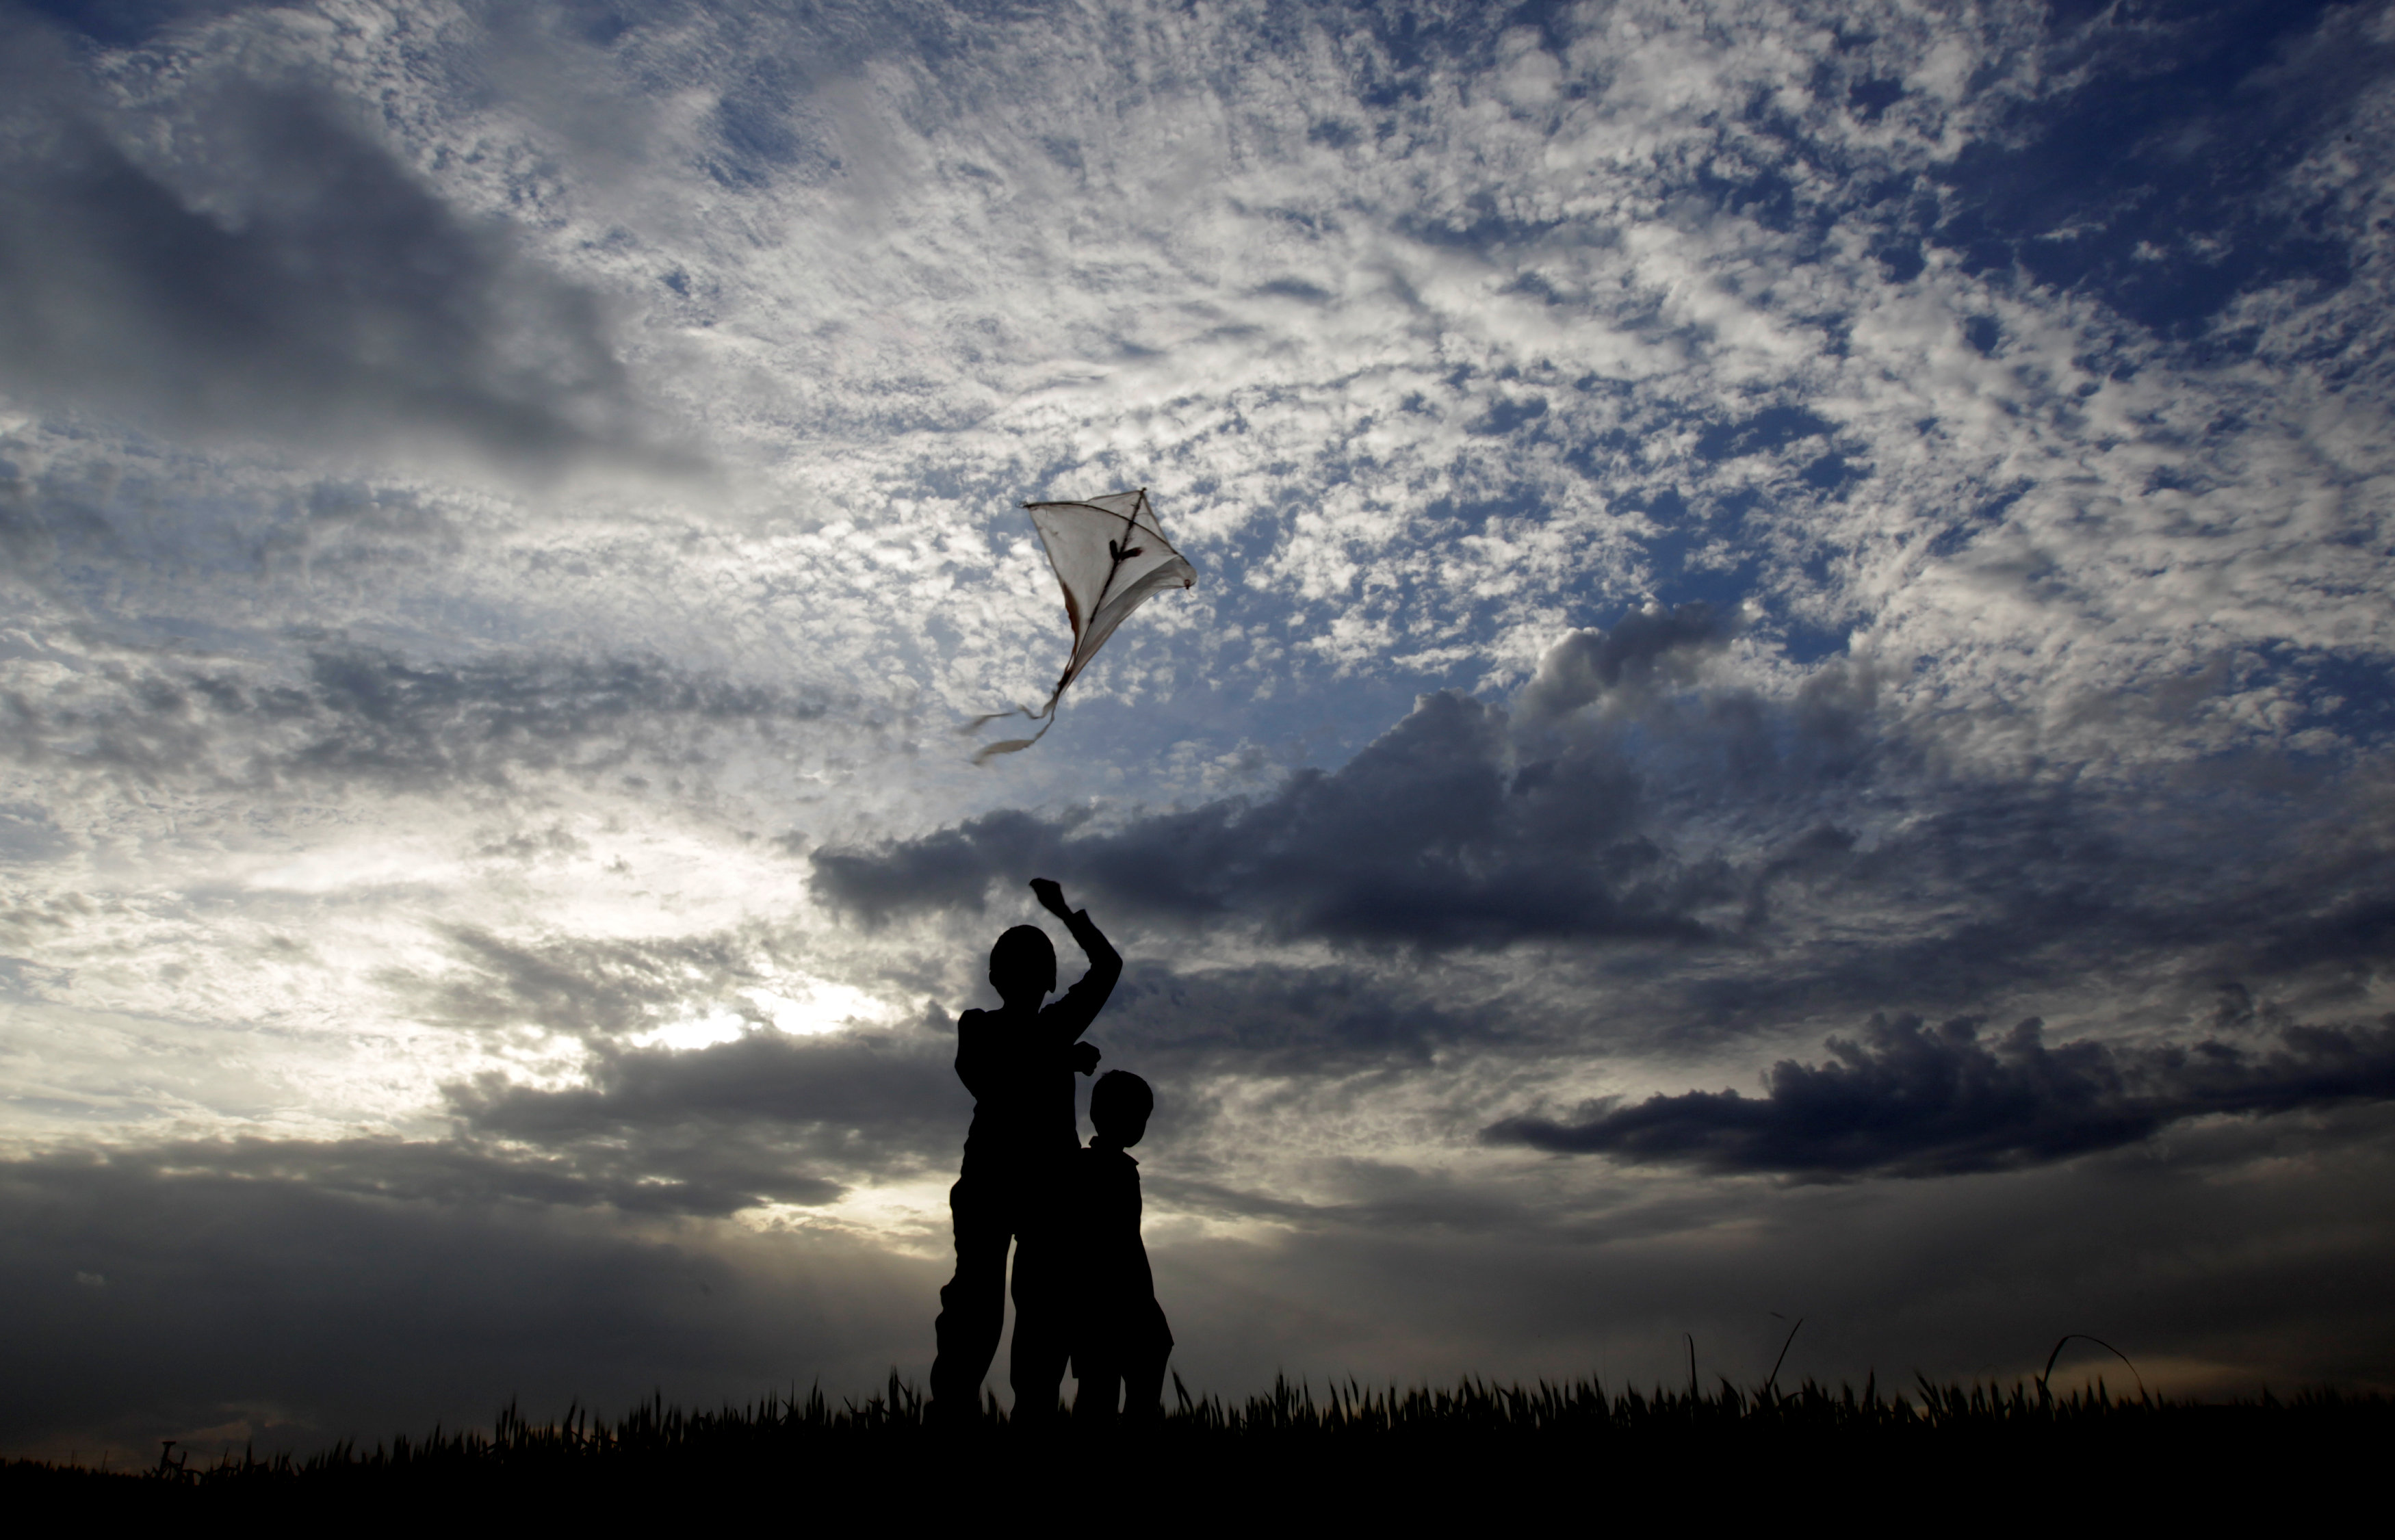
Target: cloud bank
{"points": [[1911, 1101]]}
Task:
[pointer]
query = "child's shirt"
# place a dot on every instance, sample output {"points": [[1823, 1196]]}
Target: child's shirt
{"points": [[1112, 1279], [1020, 1073]]}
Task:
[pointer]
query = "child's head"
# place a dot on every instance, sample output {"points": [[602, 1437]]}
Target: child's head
{"points": [[1120, 1105], [1023, 966]]}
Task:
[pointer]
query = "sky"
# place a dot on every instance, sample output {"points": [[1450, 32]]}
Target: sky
{"points": [[1784, 716]]}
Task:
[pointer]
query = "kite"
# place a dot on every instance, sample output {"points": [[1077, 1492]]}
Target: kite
{"points": [[1110, 556]]}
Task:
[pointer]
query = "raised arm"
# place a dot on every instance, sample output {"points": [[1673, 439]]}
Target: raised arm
{"points": [[1071, 1016]]}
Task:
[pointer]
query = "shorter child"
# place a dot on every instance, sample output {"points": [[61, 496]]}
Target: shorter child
{"points": [[1119, 1337]]}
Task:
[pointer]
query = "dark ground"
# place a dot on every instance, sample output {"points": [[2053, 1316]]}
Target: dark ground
{"points": [[1947, 1458]]}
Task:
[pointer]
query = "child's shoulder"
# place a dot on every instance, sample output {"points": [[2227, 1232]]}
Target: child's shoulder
{"points": [[1100, 1159]]}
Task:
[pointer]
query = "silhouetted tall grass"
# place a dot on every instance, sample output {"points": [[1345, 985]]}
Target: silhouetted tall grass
{"points": [[1349, 1446]]}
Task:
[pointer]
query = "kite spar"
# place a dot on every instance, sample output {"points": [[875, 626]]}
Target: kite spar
{"points": [[1110, 556]]}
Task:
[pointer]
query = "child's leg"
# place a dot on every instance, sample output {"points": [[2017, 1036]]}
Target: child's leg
{"points": [[973, 1305], [1042, 1333], [1144, 1383], [1148, 1345]]}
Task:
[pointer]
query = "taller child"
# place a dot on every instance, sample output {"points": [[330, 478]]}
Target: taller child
{"points": [[1018, 1061]]}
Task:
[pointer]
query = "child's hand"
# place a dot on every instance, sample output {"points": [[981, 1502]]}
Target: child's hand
{"points": [[1050, 897], [1083, 1056]]}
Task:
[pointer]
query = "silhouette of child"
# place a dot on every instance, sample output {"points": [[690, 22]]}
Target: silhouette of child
{"points": [[1018, 1060], [1119, 1337]]}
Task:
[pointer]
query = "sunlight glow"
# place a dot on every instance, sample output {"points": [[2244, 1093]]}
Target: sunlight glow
{"points": [[910, 1216], [800, 1007], [704, 1031], [806, 1007]]}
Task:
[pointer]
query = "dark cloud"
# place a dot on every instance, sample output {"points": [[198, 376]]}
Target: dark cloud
{"points": [[1266, 1019], [64, 520], [1464, 825], [284, 277], [362, 714], [1647, 649], [386, 719], [493, 1171], [596, 990], [1973, 1277], [1820, 849], [307, 1292], [296, 1293], [716, 1129], [1427, 838], [1908, 1099], [47, 515]]}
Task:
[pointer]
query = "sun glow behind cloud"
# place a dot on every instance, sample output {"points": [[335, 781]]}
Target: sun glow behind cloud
{"points": [[800, 1007]]}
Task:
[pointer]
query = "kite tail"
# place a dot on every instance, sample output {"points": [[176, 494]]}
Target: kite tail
{"points": [[1014, 745]]}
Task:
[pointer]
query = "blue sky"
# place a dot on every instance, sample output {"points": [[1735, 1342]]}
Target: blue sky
{"points": [[1785, 710]]}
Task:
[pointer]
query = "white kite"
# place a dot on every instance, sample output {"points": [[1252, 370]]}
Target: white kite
{"points": [[1110, 556]]}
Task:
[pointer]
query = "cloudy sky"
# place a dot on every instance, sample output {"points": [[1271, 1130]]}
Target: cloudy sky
{"points": [[1785, 716]]}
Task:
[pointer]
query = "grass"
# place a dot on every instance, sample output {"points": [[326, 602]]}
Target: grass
{"points": [[1343, 1450]]}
